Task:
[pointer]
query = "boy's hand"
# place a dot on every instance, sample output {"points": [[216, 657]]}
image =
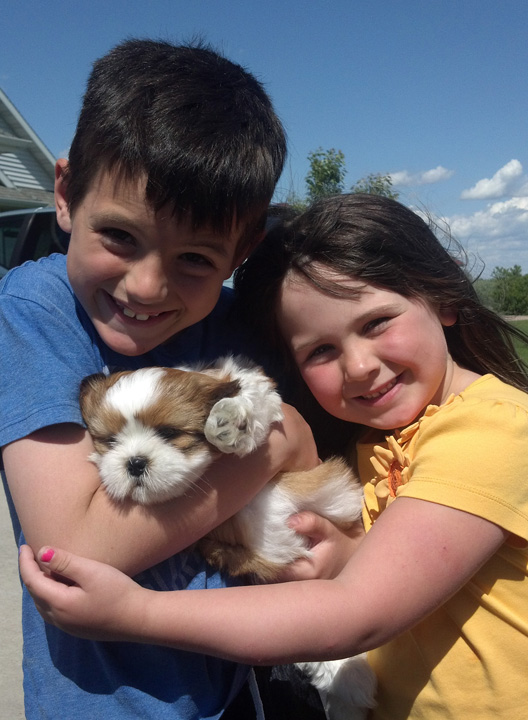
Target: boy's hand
{"points": [[80, 596], [331, 547]]}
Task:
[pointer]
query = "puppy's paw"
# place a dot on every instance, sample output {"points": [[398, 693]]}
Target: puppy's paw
{"points": [[230, 426]]}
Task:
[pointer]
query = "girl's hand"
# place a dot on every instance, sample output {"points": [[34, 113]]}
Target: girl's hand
{"points": [[331, 547], [80, 596]]}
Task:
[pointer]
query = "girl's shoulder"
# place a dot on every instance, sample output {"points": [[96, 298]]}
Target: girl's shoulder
{"points": [[489, 389], [487, 408], [485, 425]]}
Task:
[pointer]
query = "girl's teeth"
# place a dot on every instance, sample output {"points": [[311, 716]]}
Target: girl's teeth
{"points": [[382, 392]]}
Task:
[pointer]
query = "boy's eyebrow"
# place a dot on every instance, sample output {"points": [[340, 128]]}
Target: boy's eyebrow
{"points": [[206, 240], [105, 217]]}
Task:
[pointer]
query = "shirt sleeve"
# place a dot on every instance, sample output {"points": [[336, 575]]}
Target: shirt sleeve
{"points": [[45, 354], [472, 456]]}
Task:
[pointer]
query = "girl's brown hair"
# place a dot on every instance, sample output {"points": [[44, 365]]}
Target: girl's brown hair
{"points": [[382, 242]]}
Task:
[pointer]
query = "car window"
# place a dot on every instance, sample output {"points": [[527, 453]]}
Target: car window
{"points": [[49, 237], [9, 229]]}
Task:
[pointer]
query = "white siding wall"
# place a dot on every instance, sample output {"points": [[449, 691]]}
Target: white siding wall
{"points": [[22, 162], [21, 167]]}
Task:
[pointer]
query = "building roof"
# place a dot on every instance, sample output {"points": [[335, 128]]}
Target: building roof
{"points": [[27, 168]]}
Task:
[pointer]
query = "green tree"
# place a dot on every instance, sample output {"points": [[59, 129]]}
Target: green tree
{"points": [[326, 175], [510, 290], [376, 184], [485, 289], [295, 201]]}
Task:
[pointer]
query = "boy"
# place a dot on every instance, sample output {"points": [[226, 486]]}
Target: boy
{"points": [[173, 164]]}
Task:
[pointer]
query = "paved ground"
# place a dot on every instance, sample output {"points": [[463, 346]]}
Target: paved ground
{"points": [[11, 701]]}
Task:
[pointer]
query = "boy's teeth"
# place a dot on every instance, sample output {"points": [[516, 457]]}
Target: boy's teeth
{"points": [[139, 316]]}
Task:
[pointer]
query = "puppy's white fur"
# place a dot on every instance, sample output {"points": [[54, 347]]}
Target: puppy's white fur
{"points": [[131, 396], [242, 423], [156, 430]]}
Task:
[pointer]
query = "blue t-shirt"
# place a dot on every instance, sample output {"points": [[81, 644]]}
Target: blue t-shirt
{"points": [[48, 344]]}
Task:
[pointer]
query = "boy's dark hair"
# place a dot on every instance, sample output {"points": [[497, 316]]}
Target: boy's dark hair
{"points": [[382, 242], [199, 127]]}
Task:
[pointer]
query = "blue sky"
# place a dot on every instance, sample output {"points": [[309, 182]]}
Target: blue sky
{"points": [[434, 93]]}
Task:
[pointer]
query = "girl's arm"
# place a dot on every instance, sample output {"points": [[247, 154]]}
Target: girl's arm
{"points": [[417, 555], [59, 498]]}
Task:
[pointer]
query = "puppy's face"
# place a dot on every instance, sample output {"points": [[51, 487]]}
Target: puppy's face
{"points": [[147, 428]]}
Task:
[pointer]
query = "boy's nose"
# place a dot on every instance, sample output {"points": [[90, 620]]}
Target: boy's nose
{"points": [[147, 282]]}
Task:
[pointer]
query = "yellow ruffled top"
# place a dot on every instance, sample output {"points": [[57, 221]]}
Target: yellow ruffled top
{"points": [[391, 462]]}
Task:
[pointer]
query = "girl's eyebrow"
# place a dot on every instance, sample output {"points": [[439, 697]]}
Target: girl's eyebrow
{"points": [[365, 317], [296, 349]]}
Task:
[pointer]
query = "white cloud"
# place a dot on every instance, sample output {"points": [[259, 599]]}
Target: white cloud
{"points": [[426, 177], [508, 181], [498, 234]]}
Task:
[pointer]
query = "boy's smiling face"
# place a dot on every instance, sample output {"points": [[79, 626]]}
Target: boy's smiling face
{"points": [[142, 276]]}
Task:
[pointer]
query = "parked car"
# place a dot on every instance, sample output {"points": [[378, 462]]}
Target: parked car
{"points": [[29, 234]]}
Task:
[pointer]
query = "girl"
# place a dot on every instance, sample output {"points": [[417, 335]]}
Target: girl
{"points": [[386, 331]]}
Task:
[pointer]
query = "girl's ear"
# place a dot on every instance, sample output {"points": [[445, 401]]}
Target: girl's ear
{"points": [[61, 203], [448, 316]]}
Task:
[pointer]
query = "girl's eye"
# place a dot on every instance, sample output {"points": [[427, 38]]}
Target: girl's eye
{"points": [[376, 324], [320, 351]]}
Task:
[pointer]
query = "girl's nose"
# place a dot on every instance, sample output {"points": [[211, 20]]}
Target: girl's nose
{"points": [[146, 281], [359, 362]]}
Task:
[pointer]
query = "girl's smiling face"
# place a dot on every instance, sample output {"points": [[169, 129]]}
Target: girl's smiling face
{"points": [[376, 358]]}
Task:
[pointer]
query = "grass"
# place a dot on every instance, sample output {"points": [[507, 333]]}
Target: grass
{"points": [[521, 348]]}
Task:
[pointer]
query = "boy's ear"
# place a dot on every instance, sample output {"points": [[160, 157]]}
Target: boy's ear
{"points": [[61, 203]]}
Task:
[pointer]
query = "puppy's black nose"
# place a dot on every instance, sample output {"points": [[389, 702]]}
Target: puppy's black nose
{"points": [[136, 465]]}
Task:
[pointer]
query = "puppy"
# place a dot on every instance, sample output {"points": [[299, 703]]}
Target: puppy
{"points": [[156, 430]]}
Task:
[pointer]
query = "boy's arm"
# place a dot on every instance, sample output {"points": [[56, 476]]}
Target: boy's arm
{"points": [[59, 498]]}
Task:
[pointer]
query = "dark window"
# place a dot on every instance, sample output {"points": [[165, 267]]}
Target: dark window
{"points": [[9, 229]]}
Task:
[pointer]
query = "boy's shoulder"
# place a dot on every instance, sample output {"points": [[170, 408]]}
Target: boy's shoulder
{"points": [[38, 281]]}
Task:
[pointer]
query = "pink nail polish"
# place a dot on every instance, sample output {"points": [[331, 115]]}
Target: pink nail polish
{"points": [[47, 555]]}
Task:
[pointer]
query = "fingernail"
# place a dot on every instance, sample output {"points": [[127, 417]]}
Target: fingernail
{"points": [[47, 555]]}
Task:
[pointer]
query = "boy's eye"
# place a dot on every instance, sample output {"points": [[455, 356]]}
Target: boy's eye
{"points": [[196, 259], [116, 237]]}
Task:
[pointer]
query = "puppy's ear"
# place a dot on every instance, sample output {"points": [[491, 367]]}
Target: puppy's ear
{"points": [[90, 393], [218, 390], [222, 390]]}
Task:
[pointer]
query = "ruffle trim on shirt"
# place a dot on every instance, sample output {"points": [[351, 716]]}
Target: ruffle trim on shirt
{"points": [[391, 463]]}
